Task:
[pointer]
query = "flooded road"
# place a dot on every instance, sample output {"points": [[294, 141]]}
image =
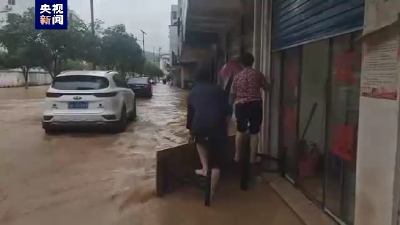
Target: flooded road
{"points": [[87, 179]]}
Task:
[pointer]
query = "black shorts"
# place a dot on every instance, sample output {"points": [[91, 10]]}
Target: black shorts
{"points": [[249, 117], [215, 147]]}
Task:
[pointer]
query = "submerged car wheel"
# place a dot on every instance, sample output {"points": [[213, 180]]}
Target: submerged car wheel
{"points": [[48, 130], [122, 122], [133, 113]]}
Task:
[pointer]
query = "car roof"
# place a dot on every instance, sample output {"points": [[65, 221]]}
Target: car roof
{"points": [[100, 73], [138, 78]]}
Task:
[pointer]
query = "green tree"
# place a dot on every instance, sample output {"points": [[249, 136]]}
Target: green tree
{"points": [[22, 42], [92, 43], [152, 70], [70, 64], [61, 45], [55, 50], [120, 50], [48, 49]]}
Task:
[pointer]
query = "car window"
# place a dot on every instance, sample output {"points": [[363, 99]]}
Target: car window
{"points": [[80, 82], [119, 81], [138, 80]]}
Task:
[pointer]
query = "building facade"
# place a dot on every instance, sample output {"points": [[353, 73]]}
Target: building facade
{"points": [[73, 16], [174, 33], [310, 59], [165, 63], [14, 6], [312, 52], [175, 44]]}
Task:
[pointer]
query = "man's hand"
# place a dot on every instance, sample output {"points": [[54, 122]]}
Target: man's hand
{"points": [[190, 137], [268, 85]]}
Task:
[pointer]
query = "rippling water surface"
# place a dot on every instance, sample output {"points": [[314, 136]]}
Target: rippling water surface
{"points": [[94, 178]]}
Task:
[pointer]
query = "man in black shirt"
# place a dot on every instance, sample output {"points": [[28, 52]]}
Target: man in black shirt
{"points": [[207, 119]]}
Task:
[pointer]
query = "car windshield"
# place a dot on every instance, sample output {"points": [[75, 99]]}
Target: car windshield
{"points": [[138, 80], [80, 82]]}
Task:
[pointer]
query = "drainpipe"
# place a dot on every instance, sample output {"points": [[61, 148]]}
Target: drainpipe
{"points": [[265, 69], [260, 27]]}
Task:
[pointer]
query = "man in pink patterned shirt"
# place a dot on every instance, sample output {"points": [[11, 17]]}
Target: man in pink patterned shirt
{"points": [[247, 97]]}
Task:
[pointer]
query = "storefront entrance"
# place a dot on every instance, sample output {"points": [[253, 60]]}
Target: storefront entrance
{"points": [[319, 89]]}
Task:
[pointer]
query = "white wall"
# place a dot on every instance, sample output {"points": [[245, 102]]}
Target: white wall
{"points": [[174, 8], [378, 152], [14, 78], [163, 64]]}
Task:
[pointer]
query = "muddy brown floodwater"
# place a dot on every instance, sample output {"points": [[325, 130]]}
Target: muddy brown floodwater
{"points": [[88, 179]]}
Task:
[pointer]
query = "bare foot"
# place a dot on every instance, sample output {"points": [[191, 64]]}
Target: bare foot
{"points": [[201, 172], [237, 158], [212, 194]]}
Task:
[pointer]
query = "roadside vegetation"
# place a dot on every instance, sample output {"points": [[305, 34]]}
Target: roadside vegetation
{"points": [[111, 48]]}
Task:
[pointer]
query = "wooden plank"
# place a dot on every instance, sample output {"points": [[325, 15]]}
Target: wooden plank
{"points": [[181, 160]]}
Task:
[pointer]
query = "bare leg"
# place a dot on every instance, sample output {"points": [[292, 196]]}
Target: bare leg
{"points": [[238, 145], [203, 160], [214, 179], [254, 140]]}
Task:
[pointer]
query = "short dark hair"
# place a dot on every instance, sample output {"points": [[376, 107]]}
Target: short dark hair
{"points": [[202, 73], [247, 59]]}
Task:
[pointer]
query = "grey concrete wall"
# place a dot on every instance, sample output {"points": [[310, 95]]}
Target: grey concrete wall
{"points": [[14, 78]]}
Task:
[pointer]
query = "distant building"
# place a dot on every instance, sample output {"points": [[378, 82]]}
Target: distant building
{"points": [[174, 14], [14, 6], [73, 16], [174, 43], [173, 33], [20, 6], [165, 63]]}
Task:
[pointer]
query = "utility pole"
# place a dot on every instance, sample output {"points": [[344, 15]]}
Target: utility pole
{"points": [[143, 33], [154, 55], [92, 26]]}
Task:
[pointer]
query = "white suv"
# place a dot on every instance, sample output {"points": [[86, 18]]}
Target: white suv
{"points": [[87, 98]]}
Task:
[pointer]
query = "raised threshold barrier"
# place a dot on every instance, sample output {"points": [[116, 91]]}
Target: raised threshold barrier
{"points": [[176, 166]]}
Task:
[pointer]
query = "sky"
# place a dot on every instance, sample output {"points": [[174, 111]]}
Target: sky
{"points": [[151, 16]]}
